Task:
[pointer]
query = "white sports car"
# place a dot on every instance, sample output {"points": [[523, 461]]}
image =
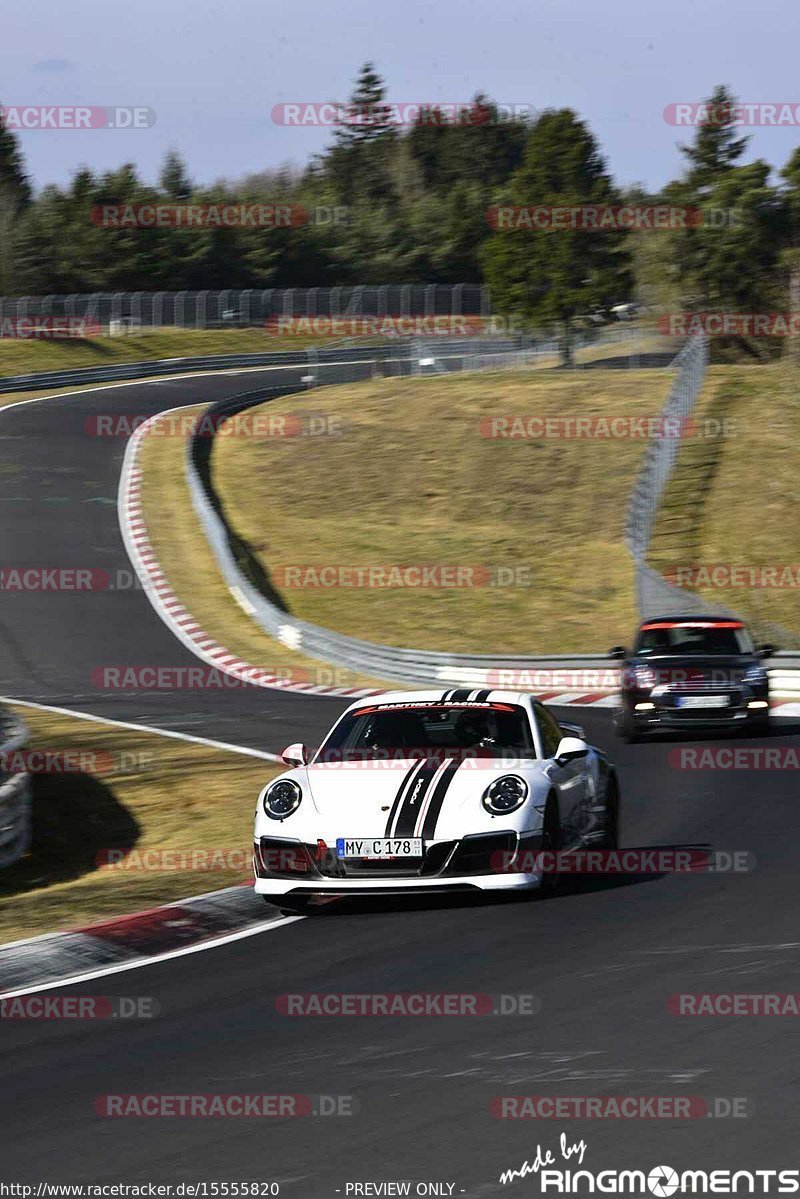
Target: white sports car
{"points": [[426, 791]]}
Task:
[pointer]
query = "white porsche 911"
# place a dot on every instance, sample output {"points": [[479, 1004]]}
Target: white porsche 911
{"points": [[429, 791]]}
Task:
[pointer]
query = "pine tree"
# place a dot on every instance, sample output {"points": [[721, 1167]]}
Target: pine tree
{"points": [[554, 274], [363, 141], [15, 193], [174, 179], [716, 148], [367, 117], [727, 259]]}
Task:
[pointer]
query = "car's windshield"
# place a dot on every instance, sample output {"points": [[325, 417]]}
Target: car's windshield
{"points": [[702, 637], [419, 729]]}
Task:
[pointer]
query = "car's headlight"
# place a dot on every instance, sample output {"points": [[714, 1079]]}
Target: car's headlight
{"points": [[505, 794], [643, 677], [755, 676], [282, 798]]}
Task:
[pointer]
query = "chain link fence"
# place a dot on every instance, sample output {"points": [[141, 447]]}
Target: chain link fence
{"points": [[654, 594], [253, 306]]}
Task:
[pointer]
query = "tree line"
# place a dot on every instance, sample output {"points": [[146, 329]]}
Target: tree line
{"points": [[407, 205]]}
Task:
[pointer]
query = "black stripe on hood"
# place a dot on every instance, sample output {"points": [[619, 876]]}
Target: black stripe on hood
{"points": [[437, 800], [398, 797], [415, 797]]}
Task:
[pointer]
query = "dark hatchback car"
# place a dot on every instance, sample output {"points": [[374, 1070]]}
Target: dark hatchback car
{"points": [[692, 671]]}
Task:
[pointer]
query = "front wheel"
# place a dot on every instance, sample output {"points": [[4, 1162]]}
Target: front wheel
{"points": [[611, 833], [551, 846]]}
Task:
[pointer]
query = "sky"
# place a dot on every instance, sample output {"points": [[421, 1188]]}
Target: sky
{"points": [[212, 72]]}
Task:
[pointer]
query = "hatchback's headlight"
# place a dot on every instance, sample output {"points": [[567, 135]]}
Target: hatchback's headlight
{"points": [[282, 798], [505, 794], [754, 676]]}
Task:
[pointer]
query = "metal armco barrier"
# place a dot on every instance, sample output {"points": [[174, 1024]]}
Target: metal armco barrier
{"points": [[15, 795], [175, 366]]}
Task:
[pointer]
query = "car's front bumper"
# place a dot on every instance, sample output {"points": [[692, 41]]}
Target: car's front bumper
{"points": [[496, 862], [664, 711], [396, 886]]}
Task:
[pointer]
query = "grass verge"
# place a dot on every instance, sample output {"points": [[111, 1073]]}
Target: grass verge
{"points": [[22, 356], [733, 498], [136, 792]]}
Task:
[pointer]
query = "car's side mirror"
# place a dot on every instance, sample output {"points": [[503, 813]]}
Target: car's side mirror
{"points": [[570, 749], [618, 651], [766, 651], [296, 755]]}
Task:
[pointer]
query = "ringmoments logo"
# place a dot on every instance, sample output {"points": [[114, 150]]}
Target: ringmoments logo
{"points": [[662, 1181]]}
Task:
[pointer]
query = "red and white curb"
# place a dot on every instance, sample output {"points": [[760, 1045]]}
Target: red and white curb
{"points": [[143, 938], [167, 605]]}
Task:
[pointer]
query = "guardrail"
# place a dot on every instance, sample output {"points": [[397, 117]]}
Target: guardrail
{"points": [[398, 357], [417, 353], [15, 795], [159, 367]]}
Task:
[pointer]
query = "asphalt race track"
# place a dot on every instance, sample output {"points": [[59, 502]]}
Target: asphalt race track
{"points": [[603, 956], [58, 506]]}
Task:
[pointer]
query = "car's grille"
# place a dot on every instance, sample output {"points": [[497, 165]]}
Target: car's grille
{"points": [[483, 854], [284, 859], [357, 868], [700, 715], [702, 687]]}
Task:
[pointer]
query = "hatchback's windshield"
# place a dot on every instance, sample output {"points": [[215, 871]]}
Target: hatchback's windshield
{"points": [[704, 637], [416, 730]]}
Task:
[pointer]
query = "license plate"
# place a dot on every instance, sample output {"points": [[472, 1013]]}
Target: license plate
{"points": [[379, 848], [704, 701]]}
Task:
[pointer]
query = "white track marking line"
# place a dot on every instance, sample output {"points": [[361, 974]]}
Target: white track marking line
{"points": [[143, 728], [121, 967]]}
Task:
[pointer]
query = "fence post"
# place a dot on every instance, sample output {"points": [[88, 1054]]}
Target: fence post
{"points": [[430, 299], [311, 378], [201, 306]]}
